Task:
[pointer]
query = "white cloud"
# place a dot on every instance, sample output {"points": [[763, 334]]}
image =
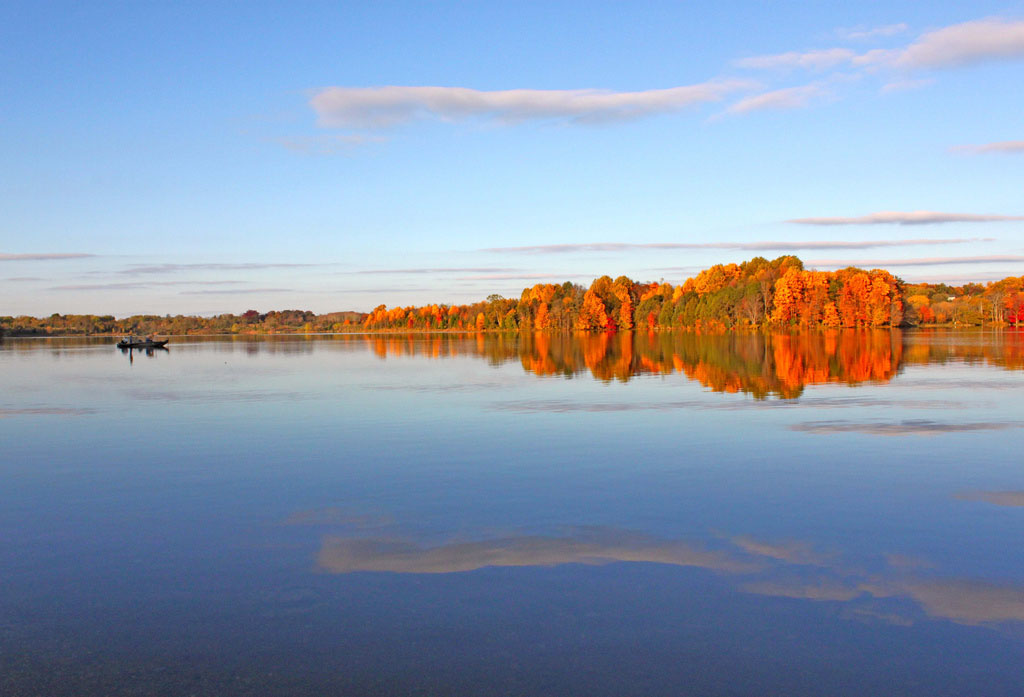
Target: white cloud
{"points": [[977, 277], [773, 245], [860, 33], [174, 268], [1015, 147], [380, 107], [42, 257], [559, 278], [926, 261], [446, 270], [957, 45], [786, 98], [907, 218], [965, 44]]}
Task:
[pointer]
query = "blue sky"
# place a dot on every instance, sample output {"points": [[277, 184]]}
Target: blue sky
{"points": [[215, 157]]}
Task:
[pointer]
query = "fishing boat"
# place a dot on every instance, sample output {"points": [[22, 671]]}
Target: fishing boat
{"points": [[131, 342]]}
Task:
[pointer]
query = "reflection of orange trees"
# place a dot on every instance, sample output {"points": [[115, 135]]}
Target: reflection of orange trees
{"points": [[496, 348], [762, 365]]}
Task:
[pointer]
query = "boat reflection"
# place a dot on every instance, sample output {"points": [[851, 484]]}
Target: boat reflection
{"points": [[150, 352]]}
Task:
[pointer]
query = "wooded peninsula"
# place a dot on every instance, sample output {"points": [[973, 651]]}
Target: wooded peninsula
{"points": [[754, 294]]}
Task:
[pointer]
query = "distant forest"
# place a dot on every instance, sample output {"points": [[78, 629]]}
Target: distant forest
{"points": [[755, 294]]}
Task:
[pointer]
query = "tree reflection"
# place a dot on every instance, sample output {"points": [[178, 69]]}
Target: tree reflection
{"points": [[760, 364]]}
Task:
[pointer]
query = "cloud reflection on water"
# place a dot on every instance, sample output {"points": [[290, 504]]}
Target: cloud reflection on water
{"points": [[997, 498], [790, 569], [346, 555]]}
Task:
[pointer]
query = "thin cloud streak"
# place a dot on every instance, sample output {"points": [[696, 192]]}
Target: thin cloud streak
{"points": [[907, 218], [811, 60], [383, 107], [174, 268], [1010, 147], [774, 245], [522, 277], [43, 257], [239, 291], [979, 277], [929, 261], [965, 44], [132, 285], [857, 33], [787, 98], [390, 289], [958, 45], [482, 269]]}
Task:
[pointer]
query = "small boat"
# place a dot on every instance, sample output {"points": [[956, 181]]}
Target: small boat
{"points": [[131, 342]]}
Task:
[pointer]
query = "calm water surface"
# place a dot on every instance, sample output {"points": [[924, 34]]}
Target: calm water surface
{"points": [[825, 514]]}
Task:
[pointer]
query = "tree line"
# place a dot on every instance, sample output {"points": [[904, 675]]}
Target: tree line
{"points": [[754, 294]]}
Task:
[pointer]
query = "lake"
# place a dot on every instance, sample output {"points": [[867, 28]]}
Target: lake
{"points": [[834, 513]]}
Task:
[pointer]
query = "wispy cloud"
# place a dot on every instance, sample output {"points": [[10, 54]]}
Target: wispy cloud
{"points": [[977, 277], [522, 276], [382, 107], [23, 279], [174, 268], [386, 289], [811, 60], [910, 427], [43, 257], [773, 245], [786, 98], [861, 33], [1010, 147], [481, 269], [236, 291], [135, 285], [963, 44], [907, 218], [999, 498], [927, 261], [968, 43]]}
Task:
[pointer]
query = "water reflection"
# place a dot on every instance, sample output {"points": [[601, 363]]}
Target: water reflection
{"points": [[346, 555], [762, 365], [381, 514], [1011, 499], [788, 569]]}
